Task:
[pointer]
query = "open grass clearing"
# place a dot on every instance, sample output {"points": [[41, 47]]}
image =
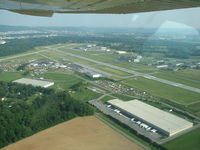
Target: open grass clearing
{"points": [[191, 74], [10, 76], [188, 141], [112, 59], [180, 78], [59, 56], [195, 108], [175, 94], [112, 70], [85, 95], [62, 81], [106, 98], [22, 58], [123, 97]]}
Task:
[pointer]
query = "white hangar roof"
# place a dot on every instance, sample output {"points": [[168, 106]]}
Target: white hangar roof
{"points": [[169, 123], [34, 82]]}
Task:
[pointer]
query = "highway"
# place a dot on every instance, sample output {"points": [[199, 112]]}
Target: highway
{"points": [[147, 76]]}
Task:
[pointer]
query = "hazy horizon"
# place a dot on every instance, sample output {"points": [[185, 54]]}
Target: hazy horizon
{"points": [[180, 18]]}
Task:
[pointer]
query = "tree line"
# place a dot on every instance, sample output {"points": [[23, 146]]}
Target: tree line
{"points": [[130, 43], [29, 109]]}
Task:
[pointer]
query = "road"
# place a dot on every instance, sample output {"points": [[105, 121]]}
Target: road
{"points": [[147, 76]]}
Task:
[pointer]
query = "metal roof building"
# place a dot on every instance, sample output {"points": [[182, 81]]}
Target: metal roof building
{"points": [[93, 74], [164, 122], [34, 82]]}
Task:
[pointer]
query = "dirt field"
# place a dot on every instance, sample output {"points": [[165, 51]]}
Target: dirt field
{"points": [[85, 133]]}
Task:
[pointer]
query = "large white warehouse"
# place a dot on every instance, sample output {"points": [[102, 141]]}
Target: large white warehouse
{"points": [[34, 82], [164, 122]]}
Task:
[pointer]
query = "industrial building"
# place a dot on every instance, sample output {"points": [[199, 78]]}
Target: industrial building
{"points": [[121, 52], [164, 122], [93, 74], [162, 66], [34, 82], [2, 42]]}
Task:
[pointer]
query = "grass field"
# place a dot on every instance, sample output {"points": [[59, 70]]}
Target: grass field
{"points": [[189, 141], [195, 108], [106, 98], [32, 54], [169, 92], [191, 77], [111, 70], [10, 76], [58, 56], [123, 97], [65, 81], [83, 133], [24, 58], [112, 59], [189, 73], [85, 95], [62, 81]]}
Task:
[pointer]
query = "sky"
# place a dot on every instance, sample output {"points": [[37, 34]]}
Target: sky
{"points": [[181, 18]]}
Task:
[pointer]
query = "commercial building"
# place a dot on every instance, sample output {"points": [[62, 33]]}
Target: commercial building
{"points": [[165, 122], [121, 52], [2, 42], [93, 74], [162, 66], [34, 82]]}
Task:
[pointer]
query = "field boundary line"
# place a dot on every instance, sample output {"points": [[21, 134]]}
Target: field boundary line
{"points": [[122, 133]]}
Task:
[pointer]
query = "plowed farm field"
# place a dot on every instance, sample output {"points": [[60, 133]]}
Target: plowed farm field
{"points": [[82, 133]]}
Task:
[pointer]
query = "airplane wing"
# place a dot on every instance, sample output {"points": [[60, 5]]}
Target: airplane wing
{"points": [[48, 7]]}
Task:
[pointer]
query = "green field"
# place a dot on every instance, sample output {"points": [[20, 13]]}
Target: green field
{"points": [[169, 92], [62, 81], [111, 70], [123, 97], [191, 74], [65, 81], [190, 78], [23, 58], [112, 59], [189, 141], [59, 56], [10, 76], [106, 98], [195, 108], [85, 95]]}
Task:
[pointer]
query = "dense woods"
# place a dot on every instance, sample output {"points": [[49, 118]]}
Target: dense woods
{"points": [[27, 110]]}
